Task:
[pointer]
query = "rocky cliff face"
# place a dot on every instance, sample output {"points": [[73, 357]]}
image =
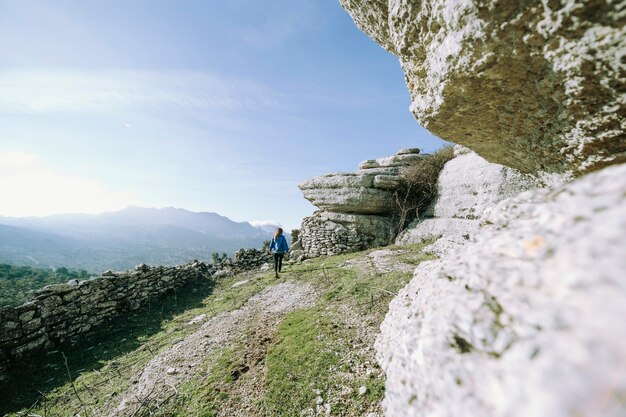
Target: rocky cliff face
{"points": [[468, 188], [355, 208], [522, 314], [533, 85], [526, 320]]}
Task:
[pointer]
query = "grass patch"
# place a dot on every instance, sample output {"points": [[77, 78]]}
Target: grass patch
{"points": [[102, 367], [316, 358]]}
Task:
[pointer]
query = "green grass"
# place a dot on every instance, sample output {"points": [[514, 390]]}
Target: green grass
{"points": [[102, 367], [317, 351]]}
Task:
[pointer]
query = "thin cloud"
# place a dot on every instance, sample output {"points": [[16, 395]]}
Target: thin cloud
{"points": [[30, 188], [63, 90], [282, 22], [261, 223]]}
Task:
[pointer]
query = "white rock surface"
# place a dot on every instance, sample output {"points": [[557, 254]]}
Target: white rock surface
{"points": [[526, 321], [536, 85], [468, 188], [369, 191]]}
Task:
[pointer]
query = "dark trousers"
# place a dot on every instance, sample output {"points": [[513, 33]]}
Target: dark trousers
{"points": [[278, 261]]}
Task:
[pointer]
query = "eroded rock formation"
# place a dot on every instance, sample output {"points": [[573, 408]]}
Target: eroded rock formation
{"points": [[355, 208], [468, 188], [533, 85], [522, 314], [525, 321]]}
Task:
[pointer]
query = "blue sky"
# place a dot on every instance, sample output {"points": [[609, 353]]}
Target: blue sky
{"points": [[204, 105]]}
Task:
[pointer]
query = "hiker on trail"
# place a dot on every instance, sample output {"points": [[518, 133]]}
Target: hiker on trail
{"points": [[279, 246]]}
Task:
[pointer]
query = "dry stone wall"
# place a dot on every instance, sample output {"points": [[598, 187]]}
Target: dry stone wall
{"points": [[65, 312], [326, 233]]}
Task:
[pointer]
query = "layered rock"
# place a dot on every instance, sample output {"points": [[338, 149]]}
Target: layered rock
{"points": [[368, 191], [468, 188], [533, 85], [355, 208], [527, 320]]}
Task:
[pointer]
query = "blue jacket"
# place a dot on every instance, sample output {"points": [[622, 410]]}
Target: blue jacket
{"points": [[279, 245]]}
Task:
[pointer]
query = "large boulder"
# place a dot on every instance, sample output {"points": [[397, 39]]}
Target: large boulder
{"points": [[528, 320], [467, 189], [347, 193], [368, 191], [533, 85]]}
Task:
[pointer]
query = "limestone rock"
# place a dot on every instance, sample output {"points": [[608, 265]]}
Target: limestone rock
{"points": [[533, 85], [369, 191], [387, 182], [407, 151], [356, 208], [347, 193], [370, 163], [527, 320], [468, 187]]}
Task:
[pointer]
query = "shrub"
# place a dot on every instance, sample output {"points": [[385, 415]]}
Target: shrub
{"points": [[418, 187]]}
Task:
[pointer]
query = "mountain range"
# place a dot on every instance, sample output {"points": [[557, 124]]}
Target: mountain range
{"points": [[122, 239]]}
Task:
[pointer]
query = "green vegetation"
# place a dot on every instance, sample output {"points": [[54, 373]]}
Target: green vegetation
{"points": [[419, 186], [316, 357], [18, 282], [216, 258]]}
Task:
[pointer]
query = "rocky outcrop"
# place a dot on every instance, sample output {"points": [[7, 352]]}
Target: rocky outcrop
{"points": [[468, 188], [533, 85], [368, 191], [356, 208], [66, 312], [526, 320]]}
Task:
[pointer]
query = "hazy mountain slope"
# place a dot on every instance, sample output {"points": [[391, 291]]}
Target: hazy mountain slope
{"points": [[123, 239], [22, 246]]}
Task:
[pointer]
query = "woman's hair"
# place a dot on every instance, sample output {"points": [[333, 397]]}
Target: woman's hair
{"points": [[279, 232]]}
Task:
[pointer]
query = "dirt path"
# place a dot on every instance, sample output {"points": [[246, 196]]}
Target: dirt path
{"points": [[161, 377]]}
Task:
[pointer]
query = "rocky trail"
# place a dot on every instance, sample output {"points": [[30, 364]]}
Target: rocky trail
{"points": [[162, 376], [252, 346]]}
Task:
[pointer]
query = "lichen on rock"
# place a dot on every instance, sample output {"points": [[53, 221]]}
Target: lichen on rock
{"points": [[526, 320], [356, 209], [535, 85]]}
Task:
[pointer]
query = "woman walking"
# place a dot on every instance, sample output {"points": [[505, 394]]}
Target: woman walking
{"points": [[279, 246]]}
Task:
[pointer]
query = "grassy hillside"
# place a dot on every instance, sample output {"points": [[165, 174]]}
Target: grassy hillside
{"points": [[315, 358]]}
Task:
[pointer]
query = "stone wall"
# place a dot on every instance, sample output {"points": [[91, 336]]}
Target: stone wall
{"points": [[327, 233], [244, 260], [65, 312]]}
